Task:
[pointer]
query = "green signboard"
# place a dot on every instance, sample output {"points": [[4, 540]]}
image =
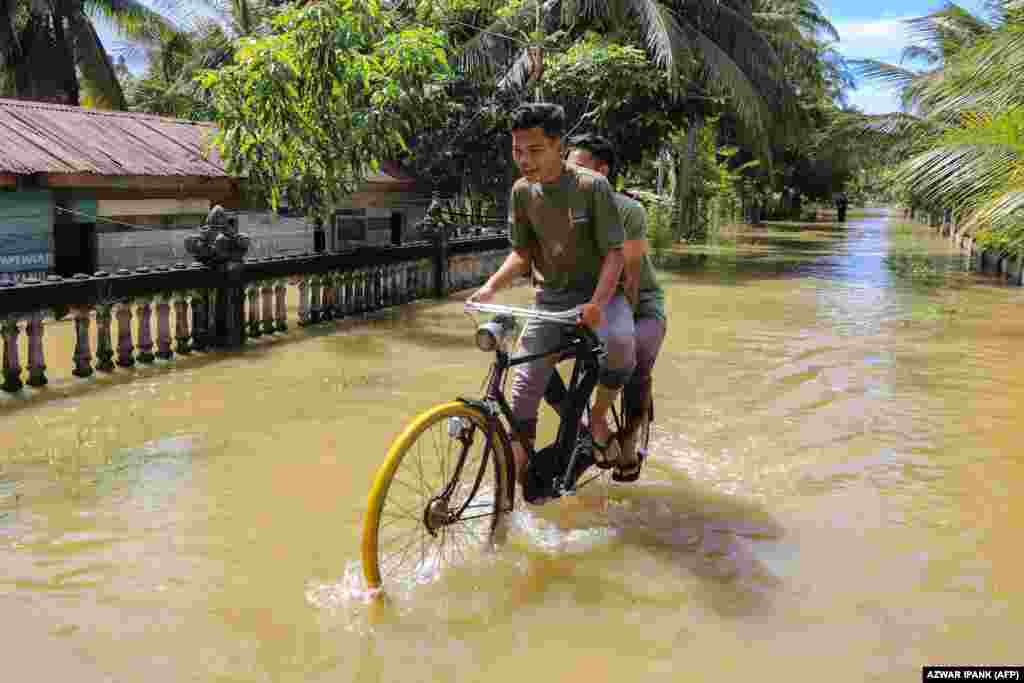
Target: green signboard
{"points": [[26, 231]]}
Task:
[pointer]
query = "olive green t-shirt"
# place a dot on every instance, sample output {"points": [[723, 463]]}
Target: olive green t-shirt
{"points": [[634, 221], [567, 226]]}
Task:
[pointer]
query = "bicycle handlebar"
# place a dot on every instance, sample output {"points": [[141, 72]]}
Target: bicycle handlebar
{"points": [[567, 317]]}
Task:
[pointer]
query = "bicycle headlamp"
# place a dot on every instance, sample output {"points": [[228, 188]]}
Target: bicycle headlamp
{"points": [[492, 335]]}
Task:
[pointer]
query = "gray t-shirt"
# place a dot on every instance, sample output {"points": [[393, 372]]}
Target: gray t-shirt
{"points": [[634, 220], [568, 227]]}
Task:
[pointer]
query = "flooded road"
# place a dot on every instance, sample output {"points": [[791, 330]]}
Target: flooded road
{"points": [[834, 493]]}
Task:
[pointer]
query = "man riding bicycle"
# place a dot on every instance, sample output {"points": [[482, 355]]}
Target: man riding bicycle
{"points": [[565, 226], [642, 290]]}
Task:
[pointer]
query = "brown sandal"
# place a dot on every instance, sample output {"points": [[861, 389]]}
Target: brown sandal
{"points": [[602, 458]]}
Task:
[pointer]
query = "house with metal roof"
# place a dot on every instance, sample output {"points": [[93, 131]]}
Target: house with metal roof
{"points": [[84, 189]]}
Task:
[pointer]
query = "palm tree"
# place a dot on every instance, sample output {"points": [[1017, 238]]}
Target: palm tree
{"points": [[206, 39], [718, 54], [684, 37], [51, 50], [937, 38], [974, 161], [965, 122]]}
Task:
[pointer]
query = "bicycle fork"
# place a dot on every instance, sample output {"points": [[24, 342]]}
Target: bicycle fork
{"points": [[437, 513]]}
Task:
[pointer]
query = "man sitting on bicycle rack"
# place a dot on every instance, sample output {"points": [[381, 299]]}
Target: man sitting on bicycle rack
{"points": [[643, 292], [566, 228]]}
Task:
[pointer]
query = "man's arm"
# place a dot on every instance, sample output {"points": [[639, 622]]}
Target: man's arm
{"points": [[609, 235], [611, 270], [633, 252], [634, 222], [518, 262]]}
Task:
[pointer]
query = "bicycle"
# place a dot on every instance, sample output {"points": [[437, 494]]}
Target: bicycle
{"points": [[468, 501]]}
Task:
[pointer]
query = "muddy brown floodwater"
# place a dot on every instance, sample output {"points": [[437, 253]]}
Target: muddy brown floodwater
{"points": [[834, 494]]}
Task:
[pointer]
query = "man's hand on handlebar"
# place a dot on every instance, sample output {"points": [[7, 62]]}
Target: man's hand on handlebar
{"points": [[592, 316], [482, 296]]}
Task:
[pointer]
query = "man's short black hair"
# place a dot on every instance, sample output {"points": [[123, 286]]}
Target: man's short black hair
{"points": [[548, 117], [599, 147]]}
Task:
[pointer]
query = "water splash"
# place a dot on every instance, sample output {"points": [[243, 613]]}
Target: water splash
{"points": [[349, 599]]}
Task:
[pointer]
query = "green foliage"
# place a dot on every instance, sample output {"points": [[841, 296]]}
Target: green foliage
{"points": [[614, 89], [332, 91], [962, 141], [660, 224]]}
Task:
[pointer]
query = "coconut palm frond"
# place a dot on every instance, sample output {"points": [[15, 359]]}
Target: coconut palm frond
{"points": [[749, 47], [97, 72], [895, 124], [989, 76], [133, 19], [921, 53], [1003, 11], [957, 174], [914, 96], [804, 15], [1002, 212], [785, 35], [191, 15], [997, 58], [590, 9], [668, 41], [950, 29], [497, 46], [728, 78], [812, 18], [883, 72]]}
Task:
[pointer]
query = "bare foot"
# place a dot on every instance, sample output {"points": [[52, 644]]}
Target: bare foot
{"points": [[521, 459]]}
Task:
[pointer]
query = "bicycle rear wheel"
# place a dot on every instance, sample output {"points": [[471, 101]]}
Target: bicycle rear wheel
{"points": [[635, 429], [426, 512], [643, 442]]}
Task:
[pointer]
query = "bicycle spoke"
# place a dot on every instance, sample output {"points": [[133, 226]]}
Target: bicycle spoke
{"points": [[479, 505], [423, 476], [433, 464], [458, 547], [447, 456], [406, 485], [404, 553], [393, 519], [438, 451], [400, 543], [398, 538], [466, 519]]}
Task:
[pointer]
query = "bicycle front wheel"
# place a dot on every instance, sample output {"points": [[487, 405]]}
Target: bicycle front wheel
{"points": [[439, 496]]}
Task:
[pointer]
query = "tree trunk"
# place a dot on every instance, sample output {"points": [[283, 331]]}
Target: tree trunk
{"points": [[686, 181], [746, 202], [46, 70], [664, 159], [96, 68], [10, 48], [67, 75]]}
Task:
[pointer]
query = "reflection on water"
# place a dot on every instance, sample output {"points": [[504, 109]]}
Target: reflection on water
{"points": [[831, 492]]}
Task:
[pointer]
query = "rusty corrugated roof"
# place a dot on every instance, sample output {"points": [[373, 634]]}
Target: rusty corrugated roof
{"points": [[37, 137]]}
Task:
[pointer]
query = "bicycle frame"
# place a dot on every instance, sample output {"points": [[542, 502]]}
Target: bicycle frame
{"points": [[581, 346], [582, 383]]}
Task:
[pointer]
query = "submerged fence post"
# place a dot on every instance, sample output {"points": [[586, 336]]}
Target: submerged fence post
{"points": [[221, 247], [434, 228], [12, 362]]}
